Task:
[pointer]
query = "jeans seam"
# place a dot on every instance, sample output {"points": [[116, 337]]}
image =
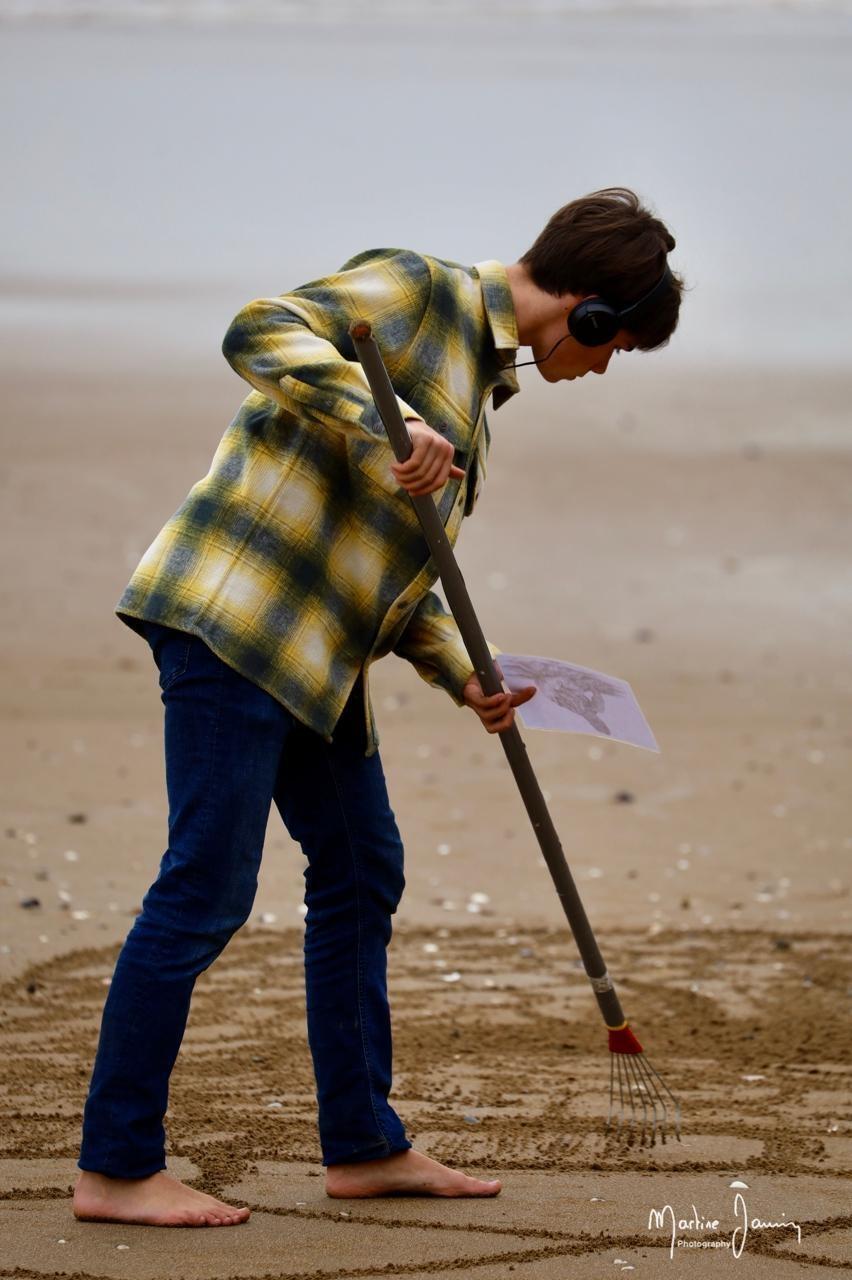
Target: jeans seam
{"points": [[214, 738], [358, 966]]}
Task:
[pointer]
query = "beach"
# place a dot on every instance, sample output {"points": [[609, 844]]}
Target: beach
{"points": [[683, 524]]}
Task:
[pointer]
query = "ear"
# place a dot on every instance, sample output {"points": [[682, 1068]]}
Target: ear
{"points": [[569, 300]]}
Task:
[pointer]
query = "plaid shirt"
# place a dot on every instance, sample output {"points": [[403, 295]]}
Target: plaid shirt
{"points": [[298, 558]]}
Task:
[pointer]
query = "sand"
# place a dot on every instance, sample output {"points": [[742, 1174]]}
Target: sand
{"points": [[687, 533]]}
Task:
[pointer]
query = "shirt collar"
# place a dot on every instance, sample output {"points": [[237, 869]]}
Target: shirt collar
{"points": [[500, 310]]}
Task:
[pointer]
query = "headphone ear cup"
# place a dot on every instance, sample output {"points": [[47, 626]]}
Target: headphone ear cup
{"points": [[593, 322]]}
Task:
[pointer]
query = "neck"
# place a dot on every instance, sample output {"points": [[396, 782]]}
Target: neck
{"points": [[535, 310]]}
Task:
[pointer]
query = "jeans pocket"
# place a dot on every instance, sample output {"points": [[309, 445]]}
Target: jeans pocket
{"points": [[171, 649]]}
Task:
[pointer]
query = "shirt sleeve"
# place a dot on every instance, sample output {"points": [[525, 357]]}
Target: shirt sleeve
{"points": [[296, 349], [432, 643]]}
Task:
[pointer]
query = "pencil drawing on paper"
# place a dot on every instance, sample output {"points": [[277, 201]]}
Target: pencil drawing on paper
{"points": [[582, 692]]}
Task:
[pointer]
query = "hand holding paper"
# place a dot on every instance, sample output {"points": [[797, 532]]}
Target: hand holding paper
{"points": [[573, 699]]}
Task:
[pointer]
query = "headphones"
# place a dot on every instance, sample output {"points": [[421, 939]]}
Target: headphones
{"points": [[594, 322]]}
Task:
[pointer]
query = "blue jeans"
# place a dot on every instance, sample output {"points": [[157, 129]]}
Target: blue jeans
{"points": [[231, 749]]}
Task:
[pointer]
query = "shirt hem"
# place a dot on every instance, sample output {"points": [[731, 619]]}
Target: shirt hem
{"points": [[131, 618]]}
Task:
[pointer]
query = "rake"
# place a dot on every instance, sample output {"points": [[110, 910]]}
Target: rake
{"points": [[639, 1098]]}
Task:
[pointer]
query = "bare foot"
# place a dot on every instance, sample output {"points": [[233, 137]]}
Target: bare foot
{"points": [[405, 1172], [156, 1201]]}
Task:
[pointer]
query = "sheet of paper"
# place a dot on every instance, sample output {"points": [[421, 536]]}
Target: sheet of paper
{"points": [[573, 699]]}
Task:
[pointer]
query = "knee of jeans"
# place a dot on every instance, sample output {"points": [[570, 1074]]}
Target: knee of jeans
{"points": [[181, 900], [388, 887]]}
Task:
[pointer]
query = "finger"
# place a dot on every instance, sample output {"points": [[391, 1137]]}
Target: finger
{"points": [[493, 713], [437, 462], [422, 475], [500, 725], [484, 699], [523, 695], [456, 472], [431, 481], [415, 458]]}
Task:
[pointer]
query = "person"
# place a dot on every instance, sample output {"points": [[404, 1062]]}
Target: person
{"points": [[296, 562]]}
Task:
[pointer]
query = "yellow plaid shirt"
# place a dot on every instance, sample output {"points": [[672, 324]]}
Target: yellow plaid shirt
{"points": [[298, 559]]}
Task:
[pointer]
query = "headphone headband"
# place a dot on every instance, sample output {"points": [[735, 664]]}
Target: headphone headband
{"points": [[664, 280]]}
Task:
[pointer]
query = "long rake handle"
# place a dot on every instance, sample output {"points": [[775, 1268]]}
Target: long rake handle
{"points": [[460, 603]]}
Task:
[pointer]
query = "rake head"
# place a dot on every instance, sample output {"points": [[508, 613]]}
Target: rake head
{"points": [[636, 1093]]}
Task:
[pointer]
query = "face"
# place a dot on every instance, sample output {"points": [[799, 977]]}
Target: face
{"points": [[571, 359]]}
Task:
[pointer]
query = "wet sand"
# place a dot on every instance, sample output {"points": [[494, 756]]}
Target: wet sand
{"points": [[687, 533]]}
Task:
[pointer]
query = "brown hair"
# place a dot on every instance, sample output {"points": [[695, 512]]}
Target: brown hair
{"points": [[608, 244]]}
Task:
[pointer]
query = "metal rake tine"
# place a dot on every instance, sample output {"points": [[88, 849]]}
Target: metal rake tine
{"points": [[637, 1087], [617, 1063], [637, 1076], [653, 1076]]}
